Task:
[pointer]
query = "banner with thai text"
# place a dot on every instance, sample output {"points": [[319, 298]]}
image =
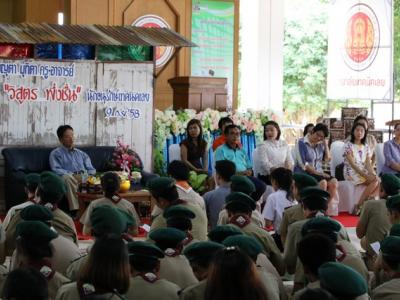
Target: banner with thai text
{"points": [[360, 50], [102, 101]]}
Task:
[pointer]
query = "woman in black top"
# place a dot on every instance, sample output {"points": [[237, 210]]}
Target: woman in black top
{"points": [[194, 148]]}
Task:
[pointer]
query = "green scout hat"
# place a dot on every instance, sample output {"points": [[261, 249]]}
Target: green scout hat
{"points": [[242, 184], [35, 231], [239, 200], [304, 180], [203, 251], [36, 212], [158, 186], [106, 219], [314, 198], [390, 248], [390, 183], [393, 202], [314, 191], [247, 244], [221, 232], [395, 230], [167, 237], [324, 225], [144, 250], [52, 185], [32, 179], [178, 211], [341, 280]]}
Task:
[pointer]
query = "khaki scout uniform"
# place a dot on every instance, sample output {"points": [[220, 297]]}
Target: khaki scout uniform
{"points": [[62, 223], [199, 223], [294, 236], [122, 204], [311, 286], [55, 283], [256, 218], [290, 215], [74, 268], [270, 284], [177, 269], [376, 223], [268, 243], [264, 263], [3, 276], [388, 291], [70, 292], [64, 252], [194, 292], [159, 289]]}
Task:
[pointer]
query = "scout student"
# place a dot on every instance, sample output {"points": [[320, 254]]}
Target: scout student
{"points": [[200, 256], [315, 203], [105, 274], [33, 246], [144, 259], [64, 250], [50, 191], [393, 208], [106, 220], [174, 267], [390, 253], [233, 275], [295, 212], [374, 224], [239, 207], [27, 283], [222, 232], [179, 217], [313, 251], [110, 182], [31, 183], [342, 281], [164, 191], [253, 248], [346, 253], [244, 185]]}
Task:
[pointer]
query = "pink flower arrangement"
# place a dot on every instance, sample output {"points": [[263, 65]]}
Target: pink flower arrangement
{"points": [[125, 159]]}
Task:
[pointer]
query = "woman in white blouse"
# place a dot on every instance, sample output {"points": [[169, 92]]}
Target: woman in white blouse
{"points": [[273, 153]]}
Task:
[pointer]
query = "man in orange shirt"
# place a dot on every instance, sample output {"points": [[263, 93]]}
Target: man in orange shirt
{"points": [[222, 123]]}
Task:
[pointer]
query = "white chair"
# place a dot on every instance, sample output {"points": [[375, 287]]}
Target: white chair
{"points": [[174, 152], [256, 161], [380, 158], [337, 149]]}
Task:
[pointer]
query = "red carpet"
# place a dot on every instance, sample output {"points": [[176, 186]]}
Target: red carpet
{"points": [[346, 219]]}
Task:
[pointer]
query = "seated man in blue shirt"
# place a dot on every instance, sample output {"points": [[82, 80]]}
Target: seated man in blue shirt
{"points": [[70, 163], [232, 151]]}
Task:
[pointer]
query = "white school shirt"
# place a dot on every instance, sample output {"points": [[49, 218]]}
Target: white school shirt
{"points": [[276, 204]]}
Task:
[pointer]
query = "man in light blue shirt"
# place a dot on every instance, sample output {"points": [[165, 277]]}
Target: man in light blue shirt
{"points": [[233, 152], [215, 199], [70, 163]]}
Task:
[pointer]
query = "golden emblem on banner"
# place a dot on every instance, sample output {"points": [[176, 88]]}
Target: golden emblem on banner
{"points": [[361, 42]]}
